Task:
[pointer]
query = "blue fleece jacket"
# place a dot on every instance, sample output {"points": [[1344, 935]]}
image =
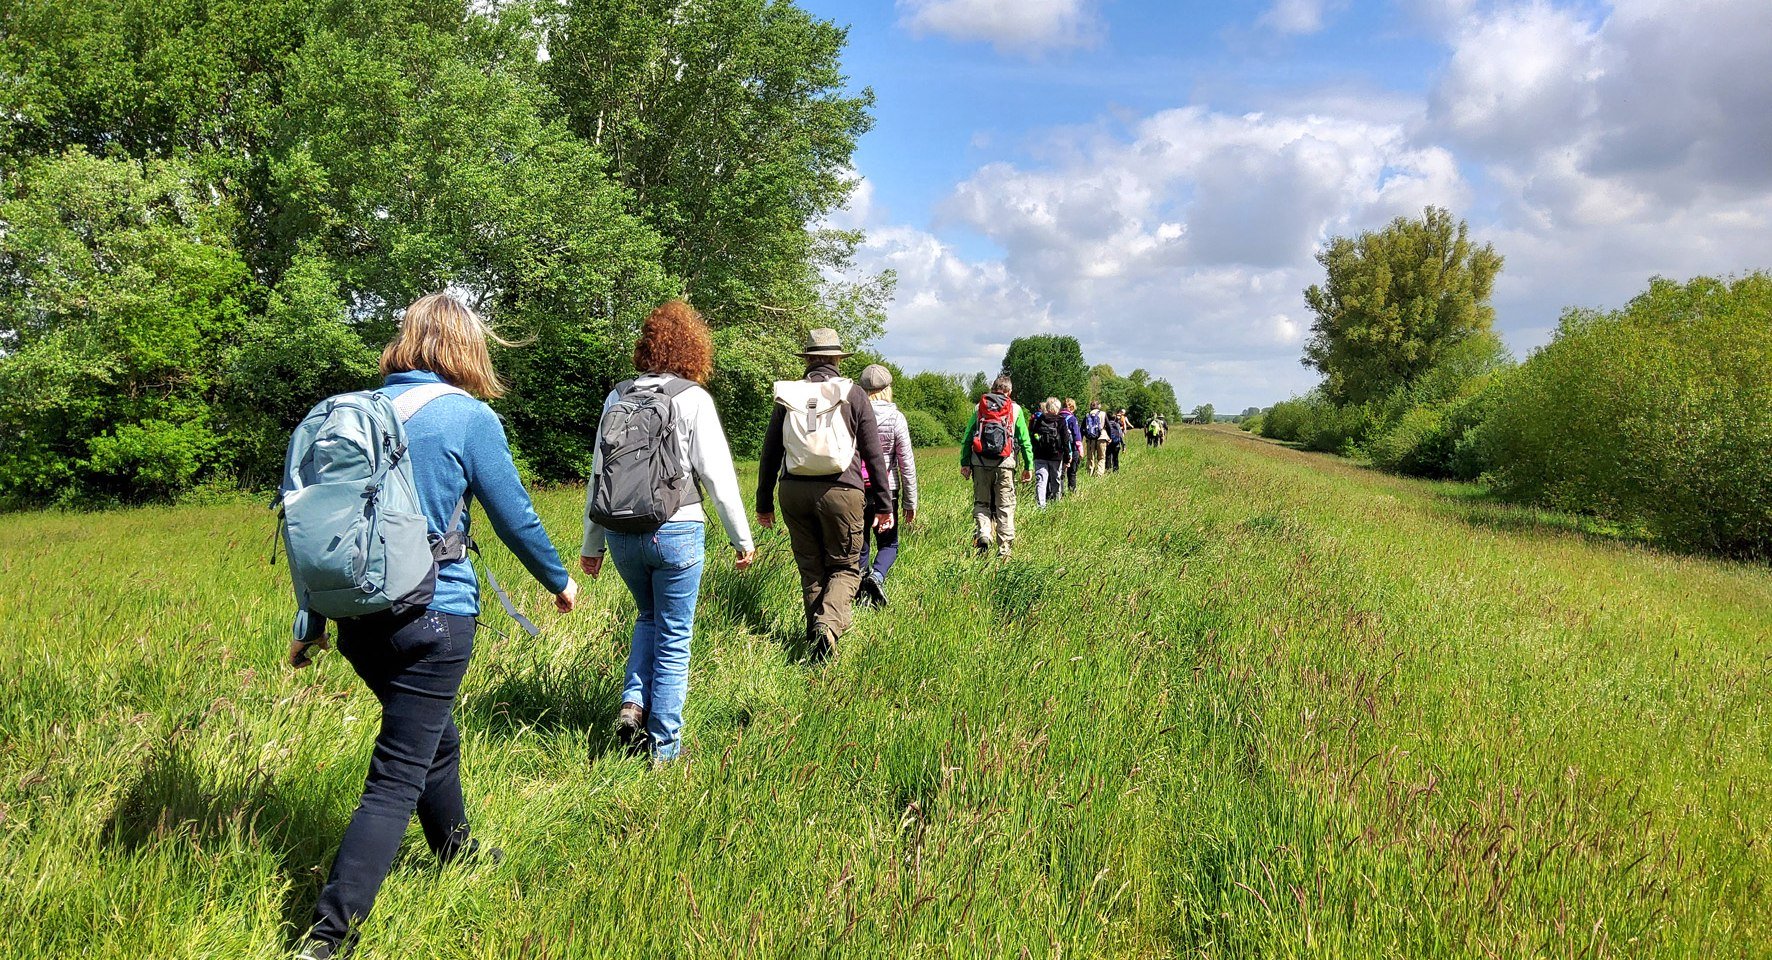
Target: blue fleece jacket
{"points": [[457, 446]]}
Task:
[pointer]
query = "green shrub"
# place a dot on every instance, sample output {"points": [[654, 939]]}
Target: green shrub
{"points": [[1657, 416], [1419, 444], [926, 431], [1336, 429]]}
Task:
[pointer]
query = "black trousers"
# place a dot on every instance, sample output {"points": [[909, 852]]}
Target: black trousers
{"points": [[414, 665], [1113, 455]]}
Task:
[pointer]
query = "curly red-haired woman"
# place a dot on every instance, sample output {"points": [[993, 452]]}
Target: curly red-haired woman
{"points": [[662, 565]]}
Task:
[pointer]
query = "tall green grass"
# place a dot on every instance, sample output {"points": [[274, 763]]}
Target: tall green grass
{"points": [[1236, 701]]}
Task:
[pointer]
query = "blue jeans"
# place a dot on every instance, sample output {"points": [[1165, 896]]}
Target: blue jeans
{"points": [[663, 571], [413, 663], [884, 547]]}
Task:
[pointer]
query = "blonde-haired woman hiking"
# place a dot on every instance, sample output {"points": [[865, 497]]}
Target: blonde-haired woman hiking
{"points": [[438, 373], [900, 480], [662, 567]]}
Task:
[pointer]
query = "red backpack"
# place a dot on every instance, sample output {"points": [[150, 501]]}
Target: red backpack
{"points": [[996, 427]]}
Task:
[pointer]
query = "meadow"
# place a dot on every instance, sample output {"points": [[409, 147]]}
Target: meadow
{"points": [[1237, 701]]}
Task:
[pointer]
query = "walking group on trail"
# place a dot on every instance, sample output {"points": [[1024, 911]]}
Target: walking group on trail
{"points": [[374, 514]]}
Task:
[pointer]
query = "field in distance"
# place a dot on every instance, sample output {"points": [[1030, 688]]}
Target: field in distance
{"points": [[1236, 701]]}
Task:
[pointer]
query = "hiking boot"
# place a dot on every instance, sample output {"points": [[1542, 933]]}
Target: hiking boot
{"points": [[981, 546], [876, 585], [630, 727], [315, 950], [824, 644]]}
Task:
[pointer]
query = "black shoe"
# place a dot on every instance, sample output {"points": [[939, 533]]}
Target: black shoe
{"points": [[824, 644], [630, 728], [316, 950], [876, 585]]}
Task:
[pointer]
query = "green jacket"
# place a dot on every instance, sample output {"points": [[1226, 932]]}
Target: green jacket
{"points": [[1024, 443]]}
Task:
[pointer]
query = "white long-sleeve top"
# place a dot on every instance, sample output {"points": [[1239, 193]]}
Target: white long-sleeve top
{"points": [[702, 446], [901, 463]]}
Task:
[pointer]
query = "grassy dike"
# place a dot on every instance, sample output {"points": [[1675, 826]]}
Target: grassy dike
{"points": [[1237, 701]]}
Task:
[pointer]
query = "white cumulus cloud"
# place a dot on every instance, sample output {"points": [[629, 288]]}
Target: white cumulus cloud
{"points": [[1011, 26]]}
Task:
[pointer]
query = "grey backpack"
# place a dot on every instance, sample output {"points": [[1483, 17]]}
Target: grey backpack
{"points": [[349, 514], [640, 481]]}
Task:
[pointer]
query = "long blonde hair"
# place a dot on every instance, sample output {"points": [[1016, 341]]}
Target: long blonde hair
{"points": [[441, 334]]}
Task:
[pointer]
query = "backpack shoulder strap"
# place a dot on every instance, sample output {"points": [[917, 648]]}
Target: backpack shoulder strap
{"points": [[410, 402]]}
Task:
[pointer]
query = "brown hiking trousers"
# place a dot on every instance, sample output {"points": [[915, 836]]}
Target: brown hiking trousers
{"points": [[825, 522]]}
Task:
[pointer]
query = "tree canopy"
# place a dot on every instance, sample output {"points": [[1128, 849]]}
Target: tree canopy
{"points": [[216, 209], [1394, 300], [1046, 366]]}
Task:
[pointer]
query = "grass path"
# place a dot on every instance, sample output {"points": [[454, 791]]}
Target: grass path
{"points": [[1238, 701]]}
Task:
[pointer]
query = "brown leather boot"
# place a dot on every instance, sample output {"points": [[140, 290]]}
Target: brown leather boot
{"points": [[630, 726]]}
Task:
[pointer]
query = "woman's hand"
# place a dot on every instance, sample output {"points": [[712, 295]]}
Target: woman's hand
{"points": [[766, 521], [565, 599], [910, 516], [302, 654], [745, 560], [882, 522], [592, 566]]}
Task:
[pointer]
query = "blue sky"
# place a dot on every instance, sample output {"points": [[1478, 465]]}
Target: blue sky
{"points": [[1154, 177]]}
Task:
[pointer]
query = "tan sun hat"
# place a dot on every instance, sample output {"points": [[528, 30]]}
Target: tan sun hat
{"points": [[824, 343]]}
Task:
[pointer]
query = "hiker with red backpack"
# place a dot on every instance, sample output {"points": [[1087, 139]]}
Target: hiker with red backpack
{"points": [[659, 445], [821, 437], [996, 442], [374, 514]]}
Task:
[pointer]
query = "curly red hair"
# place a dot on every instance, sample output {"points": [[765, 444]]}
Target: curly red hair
{"points": [[675, 339]]}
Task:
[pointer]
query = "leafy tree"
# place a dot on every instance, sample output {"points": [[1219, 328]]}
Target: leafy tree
{"points": [[121, 295], [1204, 414], [1394, 301], [979, 385], [1162, 400], [1046, 366], [730, 125]]}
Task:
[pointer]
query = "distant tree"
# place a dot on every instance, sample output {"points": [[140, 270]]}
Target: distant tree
{"points": [[1204, 414], [1162, 400], [1247, 413], [1046, 366], [1394, 301], [979, 385]]}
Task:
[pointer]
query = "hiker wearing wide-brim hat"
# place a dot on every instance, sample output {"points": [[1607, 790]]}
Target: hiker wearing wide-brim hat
{"points": [[824, 344], [821, 435]]}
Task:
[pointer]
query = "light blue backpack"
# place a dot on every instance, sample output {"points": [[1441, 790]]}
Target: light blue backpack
{"points": [[349, 514]]}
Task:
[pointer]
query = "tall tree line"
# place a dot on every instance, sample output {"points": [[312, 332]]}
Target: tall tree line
{"points": [[212, 211]]}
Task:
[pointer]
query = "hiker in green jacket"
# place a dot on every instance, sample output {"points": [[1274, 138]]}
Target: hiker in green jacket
{"points": [[996, 441]]}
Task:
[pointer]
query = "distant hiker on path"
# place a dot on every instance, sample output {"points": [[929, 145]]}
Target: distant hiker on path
{"points": [[820, 437], [1076, 433], [661, 424], [996, 441], [1052, 446], [438, 373], [901, 484], [1095, 438], [1116, 438]]}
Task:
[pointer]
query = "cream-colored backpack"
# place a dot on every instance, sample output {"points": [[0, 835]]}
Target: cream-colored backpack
{"points": [[815, 430]]}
